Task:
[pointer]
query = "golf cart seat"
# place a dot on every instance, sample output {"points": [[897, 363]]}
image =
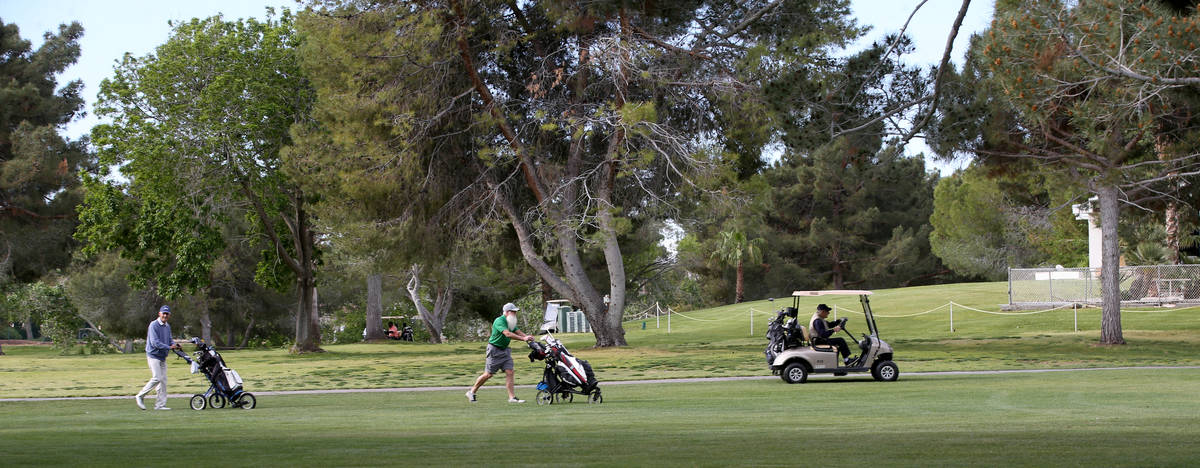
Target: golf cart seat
{"points": [[815, 346]]}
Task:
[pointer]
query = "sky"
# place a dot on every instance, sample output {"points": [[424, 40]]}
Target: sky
{"points": [[115, 27]]}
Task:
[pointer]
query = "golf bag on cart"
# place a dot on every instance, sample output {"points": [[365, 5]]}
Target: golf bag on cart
{"points": [[564, 375], [782, 333], [226, 384]]}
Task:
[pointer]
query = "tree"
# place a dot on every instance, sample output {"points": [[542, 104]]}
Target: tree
{"points": [[733, 248], [198, 127], [39, 185], [442, 294], [564, 118], [1089, 88], [984, 224]]}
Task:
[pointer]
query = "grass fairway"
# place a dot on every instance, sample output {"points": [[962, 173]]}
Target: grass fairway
{"points": [[1143, 417], [703, 343]]}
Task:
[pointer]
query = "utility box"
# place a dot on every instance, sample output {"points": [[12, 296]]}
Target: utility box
{"points": [[560, 317]]}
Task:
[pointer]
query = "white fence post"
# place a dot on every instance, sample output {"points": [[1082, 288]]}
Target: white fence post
{"points": [[1076, 307], [951, 316], [668, 320], [657, 312]]}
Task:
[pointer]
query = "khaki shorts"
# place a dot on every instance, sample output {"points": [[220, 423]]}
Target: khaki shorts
{"points": [[497, 359]]}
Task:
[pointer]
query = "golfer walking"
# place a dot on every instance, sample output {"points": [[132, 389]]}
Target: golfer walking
{"points": [[499, 355], [158, 342]]}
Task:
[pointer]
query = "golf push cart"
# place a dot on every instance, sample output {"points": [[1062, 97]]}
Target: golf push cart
{"points": [[792, 355]]}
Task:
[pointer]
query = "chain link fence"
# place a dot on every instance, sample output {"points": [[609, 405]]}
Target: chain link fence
{"points": [[1151, 285]]}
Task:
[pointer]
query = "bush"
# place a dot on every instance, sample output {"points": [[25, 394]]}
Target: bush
{"points": [[345, 326], [10, 333]]}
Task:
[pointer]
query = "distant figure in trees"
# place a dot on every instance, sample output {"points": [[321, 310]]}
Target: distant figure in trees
{"points": [[392, 331], [406, 333]]}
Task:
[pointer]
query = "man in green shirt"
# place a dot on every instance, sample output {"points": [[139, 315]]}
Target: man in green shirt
{"points": [[499, 355]]}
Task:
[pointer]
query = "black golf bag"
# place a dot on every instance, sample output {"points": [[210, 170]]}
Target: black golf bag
{"points": [[226, 384], [782, 333], [564, 375]]}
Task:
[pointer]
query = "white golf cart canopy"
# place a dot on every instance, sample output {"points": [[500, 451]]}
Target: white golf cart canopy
{"points": [[862, 297], [834, 292]]}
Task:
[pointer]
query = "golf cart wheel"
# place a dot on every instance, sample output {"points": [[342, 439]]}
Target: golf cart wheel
{"points": [[795, 373], [595, 397], [545, 398], [245, 401], [567, 397], [216, 400], [197, 402], [886, 371]]}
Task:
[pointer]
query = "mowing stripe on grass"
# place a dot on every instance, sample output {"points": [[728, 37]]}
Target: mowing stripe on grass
{"points": [[617, 382]]}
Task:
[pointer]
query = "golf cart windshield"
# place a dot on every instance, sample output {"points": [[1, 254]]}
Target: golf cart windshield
{"points": [[869, 318]]}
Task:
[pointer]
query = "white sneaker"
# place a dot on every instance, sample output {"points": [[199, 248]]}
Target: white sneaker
{"points": [[515, 400], [164, 408], [471, 397], [138, 399]]}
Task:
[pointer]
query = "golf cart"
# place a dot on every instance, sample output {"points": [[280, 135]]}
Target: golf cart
{"points": [[792, 355]]}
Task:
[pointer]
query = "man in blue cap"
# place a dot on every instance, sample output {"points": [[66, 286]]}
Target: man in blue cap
{"points": [[158, 343]]}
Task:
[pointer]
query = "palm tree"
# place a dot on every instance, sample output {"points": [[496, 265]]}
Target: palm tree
{"points": [[733, 249]]}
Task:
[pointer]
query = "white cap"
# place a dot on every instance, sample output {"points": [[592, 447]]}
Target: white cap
{"points": [[508, 307]]}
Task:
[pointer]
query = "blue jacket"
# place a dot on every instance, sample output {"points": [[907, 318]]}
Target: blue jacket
{"points": [[820, 329], [158, 340]]}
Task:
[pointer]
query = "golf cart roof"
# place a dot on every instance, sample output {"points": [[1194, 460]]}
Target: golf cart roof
{"points": [[834, 292], [558, 301]]}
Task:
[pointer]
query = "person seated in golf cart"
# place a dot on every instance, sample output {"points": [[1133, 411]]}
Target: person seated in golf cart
{"points": [[822, 332]]}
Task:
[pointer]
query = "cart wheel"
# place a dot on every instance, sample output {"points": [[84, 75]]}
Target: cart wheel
{"points": [[595, 397], [567, 397], [197, 402], [545, 397], [245, 401], [886, 371], [795, 373], [216, 400]]}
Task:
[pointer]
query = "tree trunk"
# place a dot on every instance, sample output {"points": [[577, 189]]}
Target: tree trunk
{"points": [[739, 287], [28, 326], [547, 291], [246, 335], [1, 349], [205, 319], [1171, 223], [374, 307], [1172, 227], [608, 329], [839, 280], [1110, 275], [434, 320], [308, 332]]}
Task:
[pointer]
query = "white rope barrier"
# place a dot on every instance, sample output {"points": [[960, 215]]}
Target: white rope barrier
{"points": [[752, 311], [1010, 313], [700, 319], [930, 311]]}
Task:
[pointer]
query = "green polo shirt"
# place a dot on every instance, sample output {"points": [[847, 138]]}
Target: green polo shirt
{"points": [[498, 339]]}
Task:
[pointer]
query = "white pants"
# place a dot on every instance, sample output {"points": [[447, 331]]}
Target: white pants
{"points": [[158, 377]]}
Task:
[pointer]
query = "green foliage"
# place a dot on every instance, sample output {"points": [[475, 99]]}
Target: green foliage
{"points": [[101, 292], [191, 161], [49, 305], [850, 214], [983, 225], [39, 188]]}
